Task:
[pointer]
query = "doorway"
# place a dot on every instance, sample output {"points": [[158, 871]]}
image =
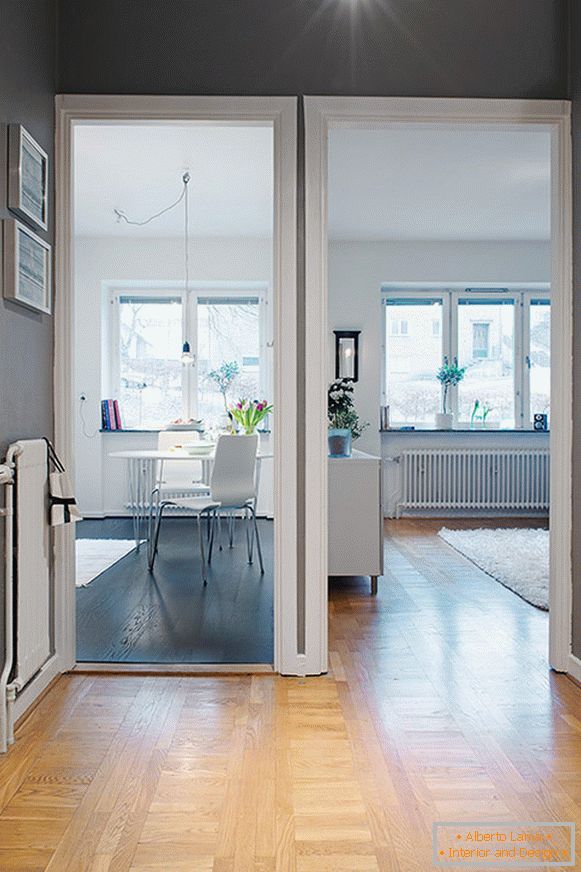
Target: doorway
{"points": [[212, 300], [360, 117]]}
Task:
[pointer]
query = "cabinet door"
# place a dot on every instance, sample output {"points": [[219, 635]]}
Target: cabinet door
{"points": [[355, 517]]}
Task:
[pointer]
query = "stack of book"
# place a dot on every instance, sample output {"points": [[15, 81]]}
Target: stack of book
{"points": [[110, 416]]}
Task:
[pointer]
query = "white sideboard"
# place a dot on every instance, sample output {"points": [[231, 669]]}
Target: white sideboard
{"points": [[356, 516]]}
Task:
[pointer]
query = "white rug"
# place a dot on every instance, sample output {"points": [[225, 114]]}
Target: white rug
{"points": [[94, 556], [518, 559]]}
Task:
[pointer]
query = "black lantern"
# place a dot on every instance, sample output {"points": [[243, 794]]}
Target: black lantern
{"points": [[347, 354]]}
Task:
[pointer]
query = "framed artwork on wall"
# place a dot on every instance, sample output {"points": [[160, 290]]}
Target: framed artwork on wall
{"points": [[27, 267], [27, 177]]}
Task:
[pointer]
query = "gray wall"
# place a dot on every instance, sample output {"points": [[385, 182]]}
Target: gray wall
{"points": [[478, 48], [27, 75], [576, 96]]}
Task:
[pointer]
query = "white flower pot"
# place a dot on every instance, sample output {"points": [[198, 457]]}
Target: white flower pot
{"points": [[444, 421]]}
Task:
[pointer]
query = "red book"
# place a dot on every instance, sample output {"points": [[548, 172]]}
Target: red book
{"points": [[119, 425], [112, 420]]}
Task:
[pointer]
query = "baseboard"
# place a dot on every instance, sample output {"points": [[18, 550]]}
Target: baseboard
{"points": [[35, 688], [574, 668], [425, 514], [174, 668]]}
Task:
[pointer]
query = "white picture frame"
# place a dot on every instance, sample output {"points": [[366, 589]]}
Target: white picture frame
{"points": [[27, 267], [27, 177]]}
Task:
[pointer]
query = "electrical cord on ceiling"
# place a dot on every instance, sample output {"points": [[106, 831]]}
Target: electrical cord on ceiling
{"points": [[121, 216]]}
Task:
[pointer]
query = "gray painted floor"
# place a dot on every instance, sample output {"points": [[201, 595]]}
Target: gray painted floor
{"points": [[130, 615]]}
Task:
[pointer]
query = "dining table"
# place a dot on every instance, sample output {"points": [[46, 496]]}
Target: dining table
{"points": [[143, 475]]}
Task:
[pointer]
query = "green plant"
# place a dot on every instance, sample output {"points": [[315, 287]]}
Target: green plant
{"points": [[341, 412], [224, 377], [484, 408], [475, 408], [449, 375], [249, 413]]}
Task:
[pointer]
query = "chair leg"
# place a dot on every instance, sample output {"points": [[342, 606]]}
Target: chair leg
{"points": [[202, 554], [258, 548], [212, 530], [154, 543], [249, 542]]}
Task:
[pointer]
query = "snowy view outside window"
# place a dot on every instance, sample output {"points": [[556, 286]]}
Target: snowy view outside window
{"points": [[540, 356], [228, 331], [413, 356], [150, 342], [152, 377], [484, 343], [486, 349]]}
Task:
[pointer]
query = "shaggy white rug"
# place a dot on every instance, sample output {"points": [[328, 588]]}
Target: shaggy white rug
{"points": [[94, 556], [518, 559]]}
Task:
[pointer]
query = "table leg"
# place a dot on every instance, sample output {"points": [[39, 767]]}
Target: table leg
{"points": [[134, 496]]}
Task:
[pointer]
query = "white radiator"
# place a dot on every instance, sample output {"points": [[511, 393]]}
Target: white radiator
{"points": [[32, 576], [475, 479]]}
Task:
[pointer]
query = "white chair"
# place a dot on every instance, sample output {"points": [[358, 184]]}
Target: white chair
{"points": [[175, 478], [179, 477], [232, 487]]}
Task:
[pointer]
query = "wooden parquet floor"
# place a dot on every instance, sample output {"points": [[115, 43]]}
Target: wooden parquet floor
{"points": [[439, 706]]}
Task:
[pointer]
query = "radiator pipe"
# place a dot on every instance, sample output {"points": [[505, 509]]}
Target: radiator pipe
{"points": [[7, 479]]}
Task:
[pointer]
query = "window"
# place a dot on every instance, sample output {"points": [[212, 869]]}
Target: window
{"points": [[480, 333], [486, 349], [502, 338], [147, 332], [539, 356], [228, 332], [150, 369], [413, 391], [399, 327]]}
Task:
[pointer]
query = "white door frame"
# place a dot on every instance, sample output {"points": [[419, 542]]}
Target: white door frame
{"points": [[324, 113], [282, 113]]}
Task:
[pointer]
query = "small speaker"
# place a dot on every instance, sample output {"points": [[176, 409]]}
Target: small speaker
{"points": [[540, 421]]}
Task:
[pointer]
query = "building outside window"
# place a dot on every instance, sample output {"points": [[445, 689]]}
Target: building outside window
{"points": [[503, 340]]}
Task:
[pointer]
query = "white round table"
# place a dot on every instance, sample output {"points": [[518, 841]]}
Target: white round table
{"points": [[142, 478]]}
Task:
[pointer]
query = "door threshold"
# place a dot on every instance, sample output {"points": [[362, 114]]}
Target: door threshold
{"points": [[174, 668]]}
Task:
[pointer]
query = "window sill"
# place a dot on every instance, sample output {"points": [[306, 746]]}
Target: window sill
{"points": [[476, 431], [161, 430]]}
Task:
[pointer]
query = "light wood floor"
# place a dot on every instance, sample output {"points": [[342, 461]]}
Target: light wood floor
{"points": [[440, 706]]}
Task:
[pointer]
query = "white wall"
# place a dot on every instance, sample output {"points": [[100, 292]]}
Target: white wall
{"points": [[358, 269], [103, 260]]}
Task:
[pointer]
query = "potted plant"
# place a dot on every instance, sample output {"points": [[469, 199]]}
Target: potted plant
{"points": [[249, 413], [449, 375], [224, 377], [480, 413], [344, 423]]}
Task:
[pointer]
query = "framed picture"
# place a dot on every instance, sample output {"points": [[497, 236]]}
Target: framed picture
{"points": [[27, 267], [27, 177]]}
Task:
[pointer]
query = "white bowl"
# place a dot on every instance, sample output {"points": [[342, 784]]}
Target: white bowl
{"points": [[193, 425], [199, 448]]}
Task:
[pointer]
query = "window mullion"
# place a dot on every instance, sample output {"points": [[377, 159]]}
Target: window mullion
{"points": [[519, 362], [526, 352], [191, 310], [451, 346]]}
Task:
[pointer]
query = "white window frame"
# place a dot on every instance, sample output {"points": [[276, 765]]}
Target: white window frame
{"points": [[408, 294], [189, 301], [528, 299], [451, 298]]}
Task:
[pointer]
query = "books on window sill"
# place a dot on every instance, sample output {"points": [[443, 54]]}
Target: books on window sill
{"points": [[110, 415]]}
